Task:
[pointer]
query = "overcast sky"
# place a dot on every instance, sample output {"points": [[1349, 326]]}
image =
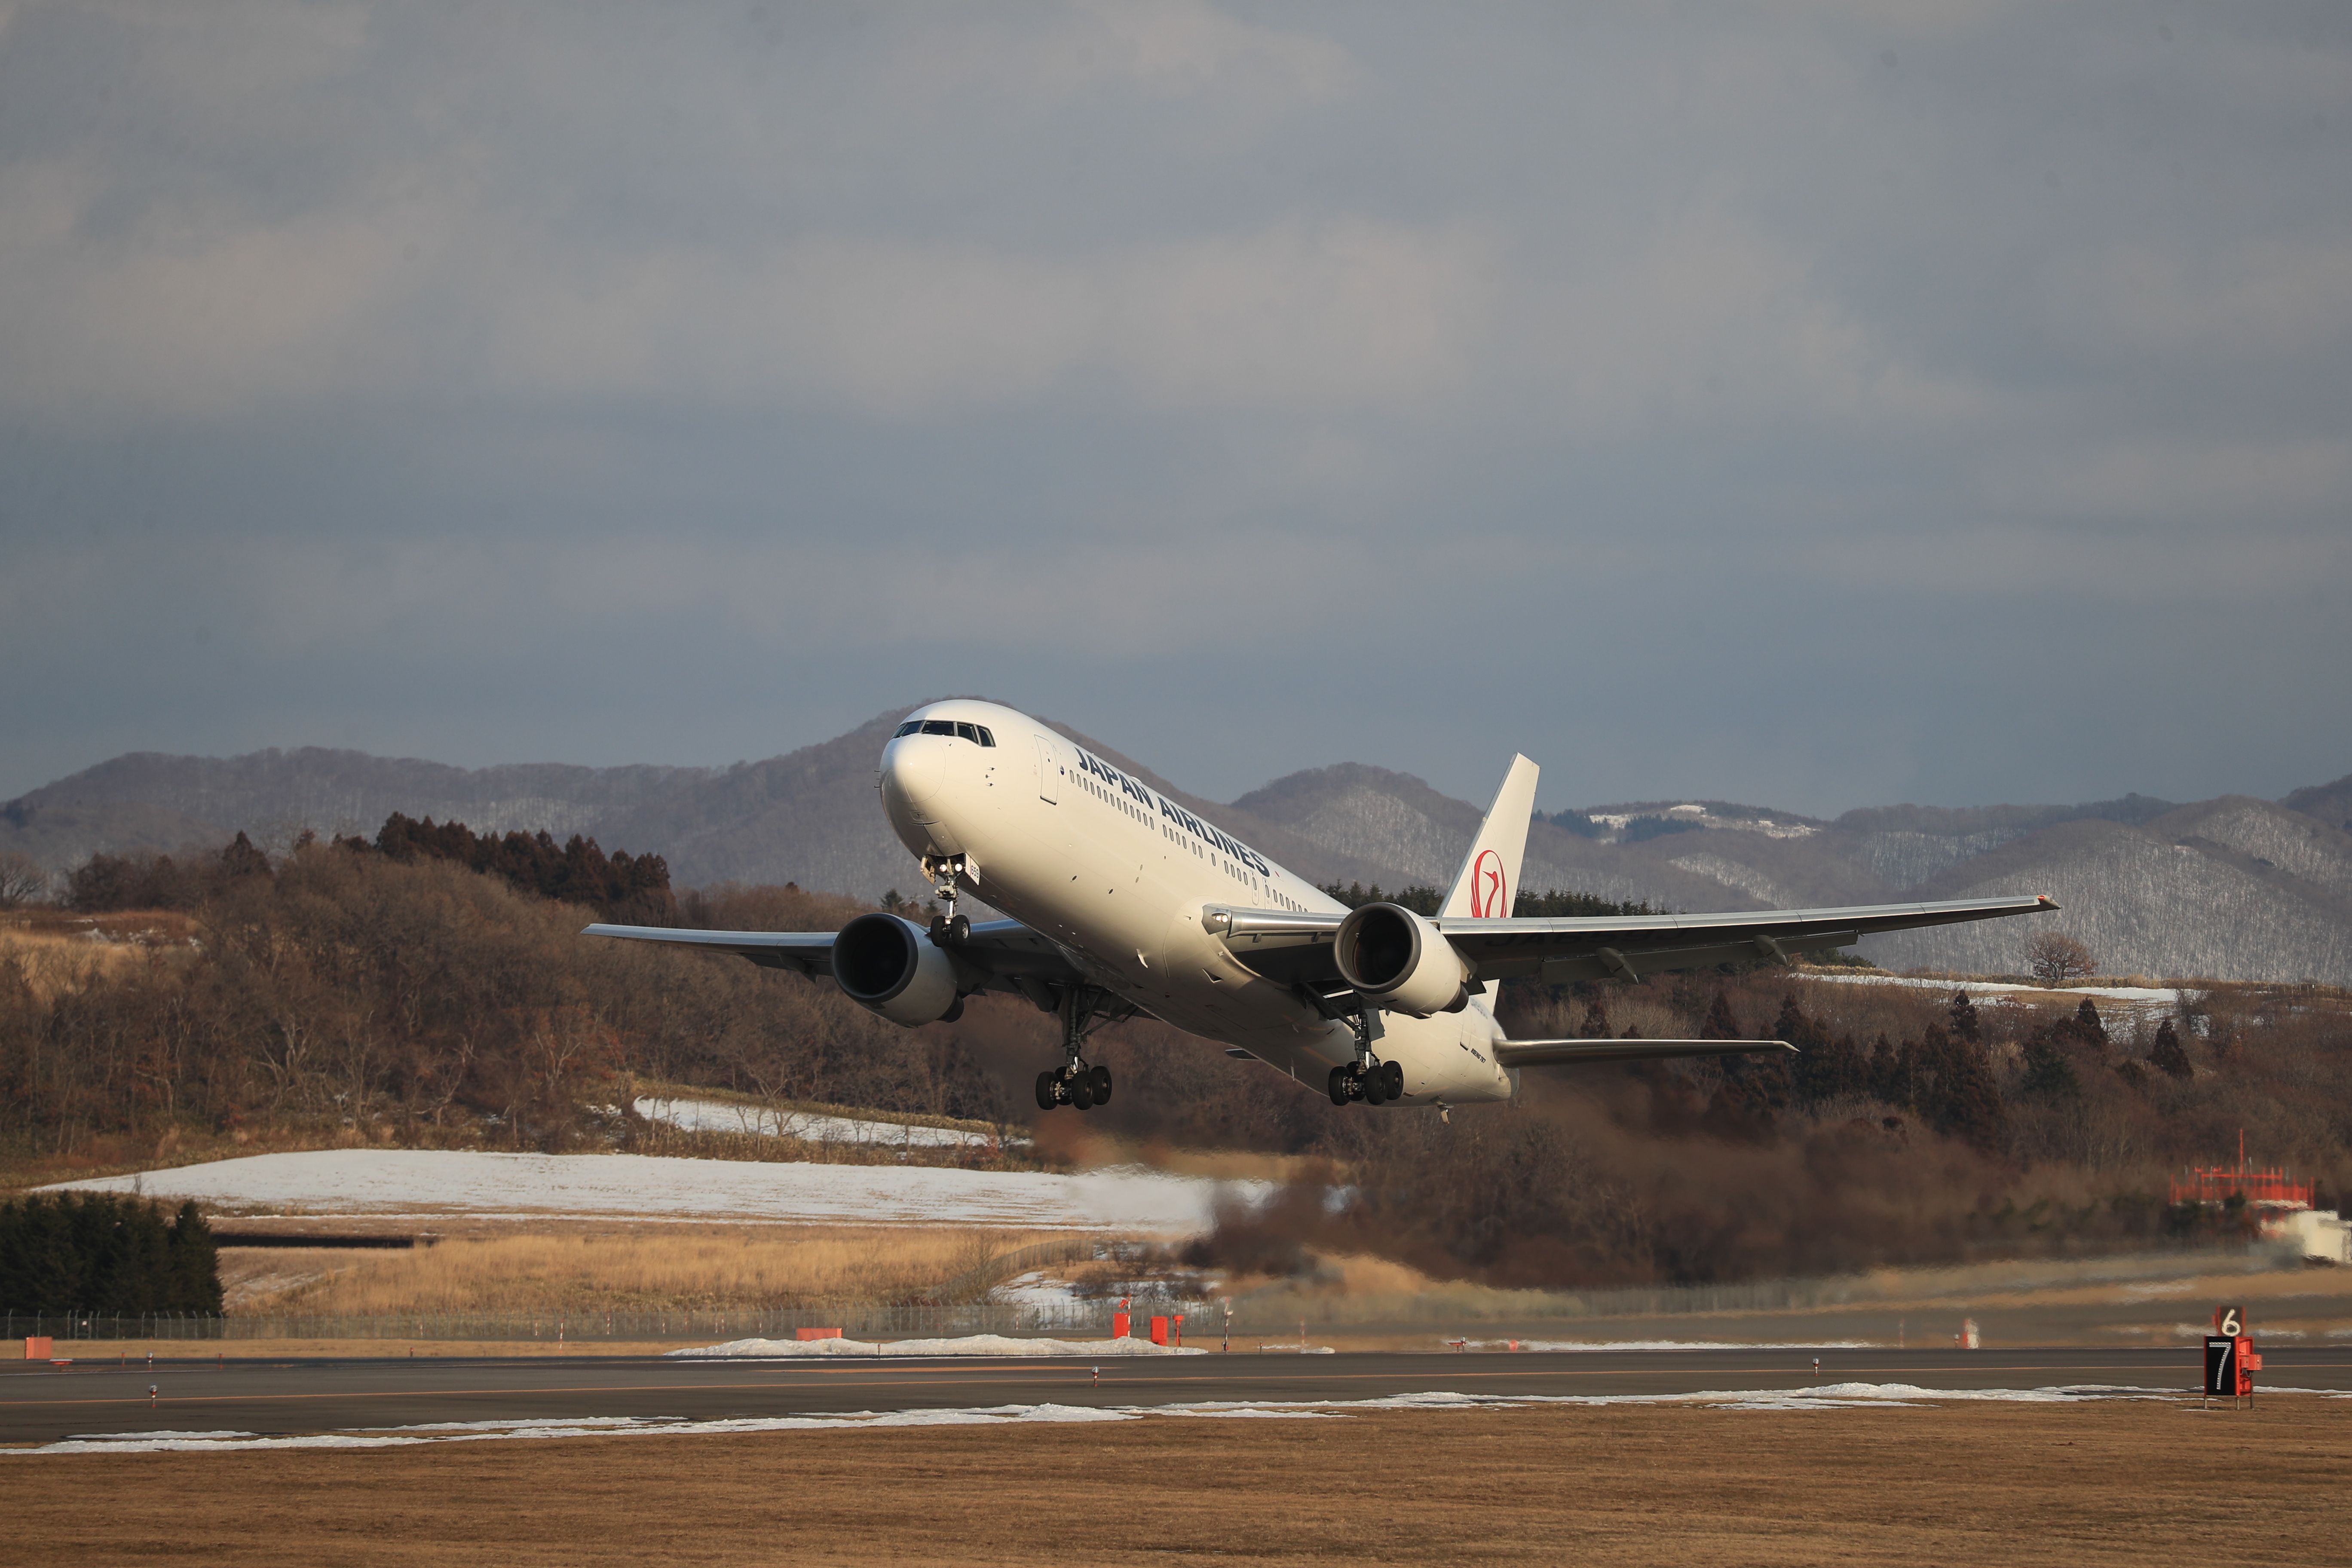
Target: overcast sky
{"points": [[1814, 404]]}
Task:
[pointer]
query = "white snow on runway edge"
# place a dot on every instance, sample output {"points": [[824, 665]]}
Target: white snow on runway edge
{"points": [[1613, 1345], [1823, 1396], [969, 1344], [469, 1182]]}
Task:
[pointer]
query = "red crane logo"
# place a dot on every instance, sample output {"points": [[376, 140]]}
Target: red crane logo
{"points": [[1489, 897]]}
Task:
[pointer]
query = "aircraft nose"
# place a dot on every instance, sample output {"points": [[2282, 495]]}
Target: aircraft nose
{"points": [[913, 768]]}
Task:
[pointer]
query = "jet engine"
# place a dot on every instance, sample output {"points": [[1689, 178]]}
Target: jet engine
{"points": [[1400, 961], [892, 966]]}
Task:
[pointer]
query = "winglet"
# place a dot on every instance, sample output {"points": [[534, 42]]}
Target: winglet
{"points": [[1489, 882]]}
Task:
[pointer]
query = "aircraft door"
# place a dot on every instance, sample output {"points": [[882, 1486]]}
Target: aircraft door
{"points": [[1049, 770]]}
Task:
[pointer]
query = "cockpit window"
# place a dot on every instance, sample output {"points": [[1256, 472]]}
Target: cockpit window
{"points": [[976, 733]]}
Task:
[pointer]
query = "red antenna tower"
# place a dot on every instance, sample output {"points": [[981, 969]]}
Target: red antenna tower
{"points": [[2256, 1189]]}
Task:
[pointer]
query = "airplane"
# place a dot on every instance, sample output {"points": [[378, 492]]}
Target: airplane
{"points": [[1124, 903]]}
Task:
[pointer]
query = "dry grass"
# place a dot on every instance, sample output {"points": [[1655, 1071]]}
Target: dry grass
{"points": [[2077, 1486], [59, 954], [584, 1271], [175, 1354]]}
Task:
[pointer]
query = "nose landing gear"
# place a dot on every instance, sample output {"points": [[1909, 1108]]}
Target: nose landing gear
{"points": [[951, 929]]}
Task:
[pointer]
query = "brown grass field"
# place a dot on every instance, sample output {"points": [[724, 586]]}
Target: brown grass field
{"points": [[58, 952], [2127, 1483], [581, 1271]]}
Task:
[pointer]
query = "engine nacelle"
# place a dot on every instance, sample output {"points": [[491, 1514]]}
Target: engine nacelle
{"points": [[1398, 959], [894, 967]]}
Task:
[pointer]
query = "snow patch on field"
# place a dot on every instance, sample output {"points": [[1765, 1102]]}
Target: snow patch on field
{"points": [[719, 1116], [1823, 1396], [969, 1344], [1035, 1288], [440, 1182]]}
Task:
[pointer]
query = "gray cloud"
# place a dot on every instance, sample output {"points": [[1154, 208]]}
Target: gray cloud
{"points": [[1818, 404]]}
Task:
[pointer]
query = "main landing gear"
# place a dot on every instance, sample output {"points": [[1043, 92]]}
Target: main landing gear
{"points": [[1368, 1078], [1078, 1084], [1375, 1083]]}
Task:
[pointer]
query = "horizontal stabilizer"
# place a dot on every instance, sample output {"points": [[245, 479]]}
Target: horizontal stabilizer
{"points": [[1565, 1053]]}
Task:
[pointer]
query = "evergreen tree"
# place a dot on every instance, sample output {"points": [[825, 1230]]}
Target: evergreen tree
{"points": [[2165, 1056], [1844, 1072], [621, 886], [242, 859], [1812, 1073], [2049, 1075], [1596, 1022], [99, 1252], [2086, 1029], [1964, 1100], [1768, 1082], [193, 1283], [1720, 1025], [1906, 1076], [1964, 1017], [1886, 1072], [1559, 905]]}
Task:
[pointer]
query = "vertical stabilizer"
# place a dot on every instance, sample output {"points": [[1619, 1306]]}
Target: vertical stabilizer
{"points": [[1489, 882]]}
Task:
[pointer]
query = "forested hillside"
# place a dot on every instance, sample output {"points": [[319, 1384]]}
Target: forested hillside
{"points": [[343, 993]]}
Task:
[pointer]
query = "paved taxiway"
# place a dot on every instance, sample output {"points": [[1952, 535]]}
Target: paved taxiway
{"points": [[39, 1403]]}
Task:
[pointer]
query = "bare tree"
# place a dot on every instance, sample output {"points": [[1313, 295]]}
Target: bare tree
{"points": [[2053, 958], [21, 881]]}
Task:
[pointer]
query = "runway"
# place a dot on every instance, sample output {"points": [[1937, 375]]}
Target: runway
{"points": [[40, 1403]]}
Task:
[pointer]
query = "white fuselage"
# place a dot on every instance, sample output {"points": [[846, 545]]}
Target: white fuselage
{"points": [[1119, 876]]}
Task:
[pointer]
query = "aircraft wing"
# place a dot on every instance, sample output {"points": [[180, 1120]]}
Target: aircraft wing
{"points": [[1295, 946], [999, 955], [808, 952]]}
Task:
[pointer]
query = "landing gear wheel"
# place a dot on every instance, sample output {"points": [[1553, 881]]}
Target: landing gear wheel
{"points": [[958, 930], [1339, 1086], [1046, 1098], [1099, 1081], [1391, 1080], [939, 929], [1082, 1091], [1376, 1085]]}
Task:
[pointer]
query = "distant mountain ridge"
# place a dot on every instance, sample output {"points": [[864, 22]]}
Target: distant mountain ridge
{"points": [[2234, 887]]}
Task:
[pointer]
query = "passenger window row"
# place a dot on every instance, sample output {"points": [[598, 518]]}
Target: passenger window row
{"points": [[978, 734]]}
